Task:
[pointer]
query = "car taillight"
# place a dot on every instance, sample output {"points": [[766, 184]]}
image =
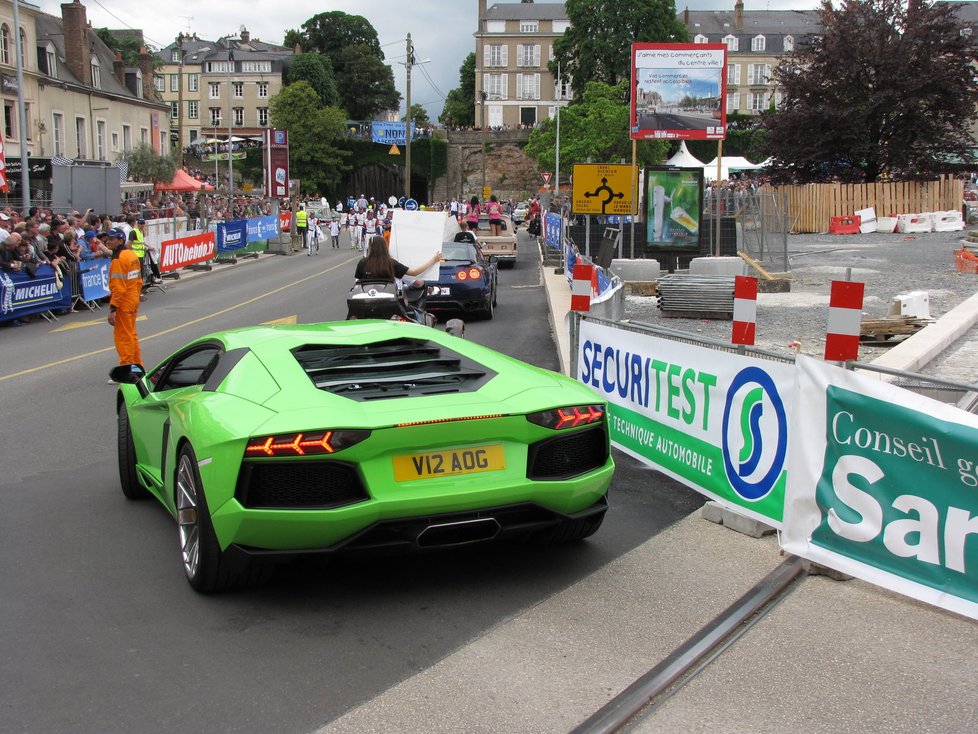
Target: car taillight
{"points": [[470, 274], [303, 444], [569, 417]]}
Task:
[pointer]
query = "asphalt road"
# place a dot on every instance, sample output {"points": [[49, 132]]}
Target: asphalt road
{"points": [[100, 631]]}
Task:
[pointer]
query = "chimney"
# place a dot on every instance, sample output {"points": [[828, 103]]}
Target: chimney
{"points": [[482, 15], [145, 64], [245, 35], [739, 15], [77, 52], [686, 16], [119, 68]]}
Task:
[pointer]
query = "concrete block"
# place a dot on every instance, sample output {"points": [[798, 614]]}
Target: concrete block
{"points": [[713, 512], [636, 270], [745, 525], [717, 266]]}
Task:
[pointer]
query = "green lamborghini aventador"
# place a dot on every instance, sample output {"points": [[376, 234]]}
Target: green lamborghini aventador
{"points": [[273, 441]]}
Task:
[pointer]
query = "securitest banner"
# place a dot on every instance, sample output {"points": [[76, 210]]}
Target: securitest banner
{"points": [[186, 251], [716, 422], [884, 486], [679, 91]]}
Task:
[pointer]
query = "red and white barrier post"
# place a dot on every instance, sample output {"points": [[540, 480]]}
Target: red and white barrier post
{"points": [[744, 310], [845, 318], [582, 287]]}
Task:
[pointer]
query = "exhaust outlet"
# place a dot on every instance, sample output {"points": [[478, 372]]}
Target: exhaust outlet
{"points": [[459, 533]]}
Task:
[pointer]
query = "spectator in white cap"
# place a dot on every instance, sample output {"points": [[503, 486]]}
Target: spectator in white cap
{"points": [[4, 227]]}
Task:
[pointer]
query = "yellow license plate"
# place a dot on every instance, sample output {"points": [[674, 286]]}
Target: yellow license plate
{"points": [[449, 463]]}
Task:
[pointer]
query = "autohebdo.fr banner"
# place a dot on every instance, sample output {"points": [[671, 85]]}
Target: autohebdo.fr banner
{"points": [[716, 422], [884, 486], [184, 251]]}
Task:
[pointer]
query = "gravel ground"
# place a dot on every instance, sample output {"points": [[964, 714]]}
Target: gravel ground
{"points": [[889, 265]]}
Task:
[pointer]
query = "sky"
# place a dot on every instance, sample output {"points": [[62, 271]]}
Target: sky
{"points": [[442, 30]]}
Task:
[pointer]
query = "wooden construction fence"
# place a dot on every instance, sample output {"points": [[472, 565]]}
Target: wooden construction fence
{"points": [[811, 206]]}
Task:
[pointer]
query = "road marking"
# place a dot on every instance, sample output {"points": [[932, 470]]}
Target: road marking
{"points": [[285, 321], [81, 324], [68, 360]]}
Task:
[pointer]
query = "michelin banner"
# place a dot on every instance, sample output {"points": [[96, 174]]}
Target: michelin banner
{"points": [[232, 235], [884, 486], [22, 294], [716, 422]]}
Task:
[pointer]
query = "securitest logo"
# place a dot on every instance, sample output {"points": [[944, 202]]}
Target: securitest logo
{"points": [[755, 434]]}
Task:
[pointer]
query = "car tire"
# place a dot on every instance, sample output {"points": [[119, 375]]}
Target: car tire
{"points": [[569, 531], [128, 477], [487, 312], [205, 565]]}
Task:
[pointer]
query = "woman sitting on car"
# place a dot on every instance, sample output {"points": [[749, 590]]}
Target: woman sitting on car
{"points": [[379, 265]]}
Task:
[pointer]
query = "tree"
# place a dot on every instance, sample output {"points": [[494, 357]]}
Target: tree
{"points": [[459, 106], [126, 46], [365, 82], [327, 33], [145, 165], [314, 131], [419, 116], [887, 90], [318, 71], [597, 46], [594, 129]]}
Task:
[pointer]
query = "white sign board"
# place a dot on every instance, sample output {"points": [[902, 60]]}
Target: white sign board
{"points": [[416, 236]]}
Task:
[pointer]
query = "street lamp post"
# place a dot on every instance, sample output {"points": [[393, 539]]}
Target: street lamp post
{"points": [[230, 145], [482, 101], [407, 119], [180, 98]]}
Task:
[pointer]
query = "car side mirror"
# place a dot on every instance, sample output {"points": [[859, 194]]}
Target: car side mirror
{"points": [[130, 374]]}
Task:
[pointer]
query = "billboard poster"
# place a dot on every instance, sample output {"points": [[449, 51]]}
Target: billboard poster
{"points": [[679, 91], [674, 207], [276, 162]]}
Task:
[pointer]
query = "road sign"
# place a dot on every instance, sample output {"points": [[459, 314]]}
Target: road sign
{"points": [[602, 189], [546, 176], [486, 192], [411, 205], [394, 150]]}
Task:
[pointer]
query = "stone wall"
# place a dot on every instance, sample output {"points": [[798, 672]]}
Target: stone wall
{"points": [[509, 173]]}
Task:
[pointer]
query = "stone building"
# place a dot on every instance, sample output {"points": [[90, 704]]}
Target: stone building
{"points": [[81, 102], [513, 45], [213, 86]]}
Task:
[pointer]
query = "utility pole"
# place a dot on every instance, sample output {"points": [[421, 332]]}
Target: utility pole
{"points": [[180, 100], [407, 119], [482, 101], [25, 183]]}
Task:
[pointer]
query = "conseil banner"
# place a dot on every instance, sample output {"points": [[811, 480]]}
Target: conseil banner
{"points": [[884, 486]]}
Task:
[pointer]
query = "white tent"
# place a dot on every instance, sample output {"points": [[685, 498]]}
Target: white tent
{"points": [[684, 159], [729, 164]]}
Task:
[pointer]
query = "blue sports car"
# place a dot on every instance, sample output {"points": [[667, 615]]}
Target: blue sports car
{"points": [[466, 281]]}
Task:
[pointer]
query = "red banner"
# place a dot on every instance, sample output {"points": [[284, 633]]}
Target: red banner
{"points": [[186, 251], [276, 163], [285, 222]]}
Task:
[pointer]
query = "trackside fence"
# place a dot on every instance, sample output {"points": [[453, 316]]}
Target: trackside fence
{"points": [[856, 473]]}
